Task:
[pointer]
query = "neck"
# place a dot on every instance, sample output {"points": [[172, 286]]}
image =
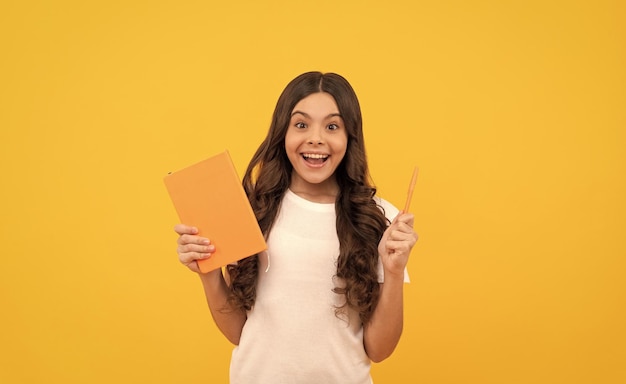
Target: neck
{"points": [[318, 193]]}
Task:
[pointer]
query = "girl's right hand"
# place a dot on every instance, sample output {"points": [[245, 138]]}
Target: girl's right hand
{"points": [[192, 247]]}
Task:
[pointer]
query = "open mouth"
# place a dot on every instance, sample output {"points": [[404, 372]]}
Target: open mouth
{"points": [[315, 158]]}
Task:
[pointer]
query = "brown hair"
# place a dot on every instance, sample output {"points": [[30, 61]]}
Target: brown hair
{"points": [[360, 221]]}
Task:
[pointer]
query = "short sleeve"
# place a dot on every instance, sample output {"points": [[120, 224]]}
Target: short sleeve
{"points": [[390, 212]]}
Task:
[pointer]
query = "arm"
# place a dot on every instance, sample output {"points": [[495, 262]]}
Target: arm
{"points": [[383, 331], [192, 248]]}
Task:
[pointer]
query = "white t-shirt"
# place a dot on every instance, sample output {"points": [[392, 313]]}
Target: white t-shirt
{"points": [[293, 334]]}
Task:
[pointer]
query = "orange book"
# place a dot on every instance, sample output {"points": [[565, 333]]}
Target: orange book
{"points": [[209, 196]]}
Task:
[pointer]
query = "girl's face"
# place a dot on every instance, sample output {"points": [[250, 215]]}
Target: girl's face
{"points": [[315, 142]]}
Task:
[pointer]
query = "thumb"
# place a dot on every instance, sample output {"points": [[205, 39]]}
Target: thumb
{"points": [[407, 218]]}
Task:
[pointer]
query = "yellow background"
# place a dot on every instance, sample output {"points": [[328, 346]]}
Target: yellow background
{"points": [[514, 111]]}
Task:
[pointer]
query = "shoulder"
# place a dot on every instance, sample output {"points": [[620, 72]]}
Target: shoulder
{"points": [[389, 210]]}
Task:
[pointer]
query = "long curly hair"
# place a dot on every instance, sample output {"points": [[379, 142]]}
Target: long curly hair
{"points": [[360, 220]]}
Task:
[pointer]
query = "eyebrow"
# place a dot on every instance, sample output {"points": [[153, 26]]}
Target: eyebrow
{"points": [[308, 117]]}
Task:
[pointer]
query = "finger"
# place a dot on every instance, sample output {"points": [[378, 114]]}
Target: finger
{"points": [[399, 246], [406, 218], [192, 239], [402, 232], [391, 227], [193, 266], [185, 248], [402, 226], [183, 229], [189, 257], [399, 235]]}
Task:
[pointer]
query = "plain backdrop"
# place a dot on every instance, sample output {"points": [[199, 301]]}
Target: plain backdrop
{"points": [[513, 110]]}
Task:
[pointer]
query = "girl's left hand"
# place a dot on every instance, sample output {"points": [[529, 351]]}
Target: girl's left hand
{"points": [[396, 244]]}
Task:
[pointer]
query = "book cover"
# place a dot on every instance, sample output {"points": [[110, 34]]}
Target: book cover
{"points": [[209, 196]]}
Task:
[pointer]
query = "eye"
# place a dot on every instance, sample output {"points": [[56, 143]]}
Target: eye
{"points": [[333, 127], [300, 125]]}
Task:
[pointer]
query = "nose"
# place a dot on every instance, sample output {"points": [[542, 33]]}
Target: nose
{"points": [[315, 136]]}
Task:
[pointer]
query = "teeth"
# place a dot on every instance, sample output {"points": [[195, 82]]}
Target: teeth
{"points": [[315, 156]]}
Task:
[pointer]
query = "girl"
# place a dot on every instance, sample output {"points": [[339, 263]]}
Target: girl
{"points": [[326, 298]]}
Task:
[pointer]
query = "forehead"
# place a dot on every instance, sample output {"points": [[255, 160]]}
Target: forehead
{"points": [[317, 103]]}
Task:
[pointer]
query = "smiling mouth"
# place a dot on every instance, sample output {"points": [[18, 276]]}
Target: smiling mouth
{"points": [[315, 158]]}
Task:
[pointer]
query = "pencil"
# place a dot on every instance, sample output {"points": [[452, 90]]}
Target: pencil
{"points": [[411, 187]]}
